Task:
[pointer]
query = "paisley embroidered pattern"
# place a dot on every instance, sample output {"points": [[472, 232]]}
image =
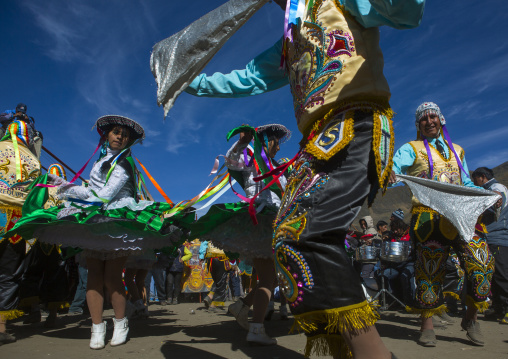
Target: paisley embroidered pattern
{"points": [[479, 264], [433, 246], [318, 61], [291, 267], [429, 272], [293, 273]]}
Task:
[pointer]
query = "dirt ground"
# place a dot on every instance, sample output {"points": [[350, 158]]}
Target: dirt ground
{"points": [[177, 332]]}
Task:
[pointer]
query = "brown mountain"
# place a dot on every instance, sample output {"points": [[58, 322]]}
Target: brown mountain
{"points": [[400, 197]]}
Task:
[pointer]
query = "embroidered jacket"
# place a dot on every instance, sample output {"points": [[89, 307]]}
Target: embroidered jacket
{"points": [[335, 55]]}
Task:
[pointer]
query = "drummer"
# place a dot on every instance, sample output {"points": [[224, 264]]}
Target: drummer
{"points": [[366, 266], [430, 156], [399, 274]]}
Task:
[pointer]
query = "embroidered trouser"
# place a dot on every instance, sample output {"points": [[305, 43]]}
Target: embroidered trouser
{"points": [[12, 258], [12, 264], [321, 200], [45, 278], [433, 236], [220, 279]]}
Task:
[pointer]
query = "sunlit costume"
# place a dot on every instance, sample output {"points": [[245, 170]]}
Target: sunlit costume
{"points": [[106, 219], [334, 66], [18, 168], [45, 277], [432, 233]]}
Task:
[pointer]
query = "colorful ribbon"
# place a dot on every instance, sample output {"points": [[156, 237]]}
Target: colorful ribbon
{"points": [[154, 182]]}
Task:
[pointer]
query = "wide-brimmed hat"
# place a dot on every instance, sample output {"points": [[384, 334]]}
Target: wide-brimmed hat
{"points": [[106, 122], [277, 130]]}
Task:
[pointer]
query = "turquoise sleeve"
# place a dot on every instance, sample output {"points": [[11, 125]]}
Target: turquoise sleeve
{"points": [[262, 74], [466, 180], [399, 14], [403, 159]]}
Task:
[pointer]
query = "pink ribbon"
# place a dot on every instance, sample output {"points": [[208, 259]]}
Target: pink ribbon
{"points": [[101, 142]]}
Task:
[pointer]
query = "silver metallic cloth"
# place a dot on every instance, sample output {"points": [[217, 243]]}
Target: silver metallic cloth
{"points": [[177, 60], [459, 204]]}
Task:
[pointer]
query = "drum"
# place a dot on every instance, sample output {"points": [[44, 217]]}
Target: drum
{"points": [[367, 254], [394, 251]]}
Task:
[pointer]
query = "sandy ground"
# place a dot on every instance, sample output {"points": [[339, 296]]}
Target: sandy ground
{"points": [[173, 332]]}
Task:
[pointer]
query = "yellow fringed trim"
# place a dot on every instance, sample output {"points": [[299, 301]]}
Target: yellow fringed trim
{"points": [[481, 306], [352, 318], [376, 141], [427, 313], [28, 301], [327, 345], [356, 102], [421, 209], [218, 304], [11, 314], [451, 294], [347, 134], [58, 305]]}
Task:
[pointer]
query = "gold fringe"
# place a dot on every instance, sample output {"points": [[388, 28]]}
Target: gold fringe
{"points": [[421, 209], [357, 102], [58, 305], [376, 141], [451, 294], [11, 314], [327, 345], [481, 306], [218, 304], [352, 318], [28, 301], [348, 134], [427, 313]]}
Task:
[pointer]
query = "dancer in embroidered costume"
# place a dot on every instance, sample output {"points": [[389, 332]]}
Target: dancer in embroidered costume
{"points": [[230, 225], [333, 64], [105, 219], [19, 168], [45, 276], [434, 157]]}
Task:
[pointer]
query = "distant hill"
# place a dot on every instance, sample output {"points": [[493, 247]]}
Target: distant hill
{"points": [[400, 197]]}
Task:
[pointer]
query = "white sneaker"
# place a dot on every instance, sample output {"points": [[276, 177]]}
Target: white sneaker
{"points": [[283, 312], [98, 336], [120, 332], [257, 335], [241, 312]]}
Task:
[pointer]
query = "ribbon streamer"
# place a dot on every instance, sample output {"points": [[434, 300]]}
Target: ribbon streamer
{"points": [[154, 182]]}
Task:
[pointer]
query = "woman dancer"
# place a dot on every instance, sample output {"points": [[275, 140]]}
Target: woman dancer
{"points": [[105, 219], [231, 228]]}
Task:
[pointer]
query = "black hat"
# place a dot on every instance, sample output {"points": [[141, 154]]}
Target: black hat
{"points": [[105, 122], [278, 131], [21, 107]]}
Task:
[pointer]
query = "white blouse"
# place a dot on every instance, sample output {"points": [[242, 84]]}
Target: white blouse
{"points": [[118, 192]]}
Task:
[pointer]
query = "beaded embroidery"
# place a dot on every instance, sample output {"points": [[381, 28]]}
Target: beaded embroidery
{"points": [[292, 278], [315, 69], [383, 146]]}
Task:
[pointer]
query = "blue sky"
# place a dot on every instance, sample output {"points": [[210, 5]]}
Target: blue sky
{"points": [[74, 61]]}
